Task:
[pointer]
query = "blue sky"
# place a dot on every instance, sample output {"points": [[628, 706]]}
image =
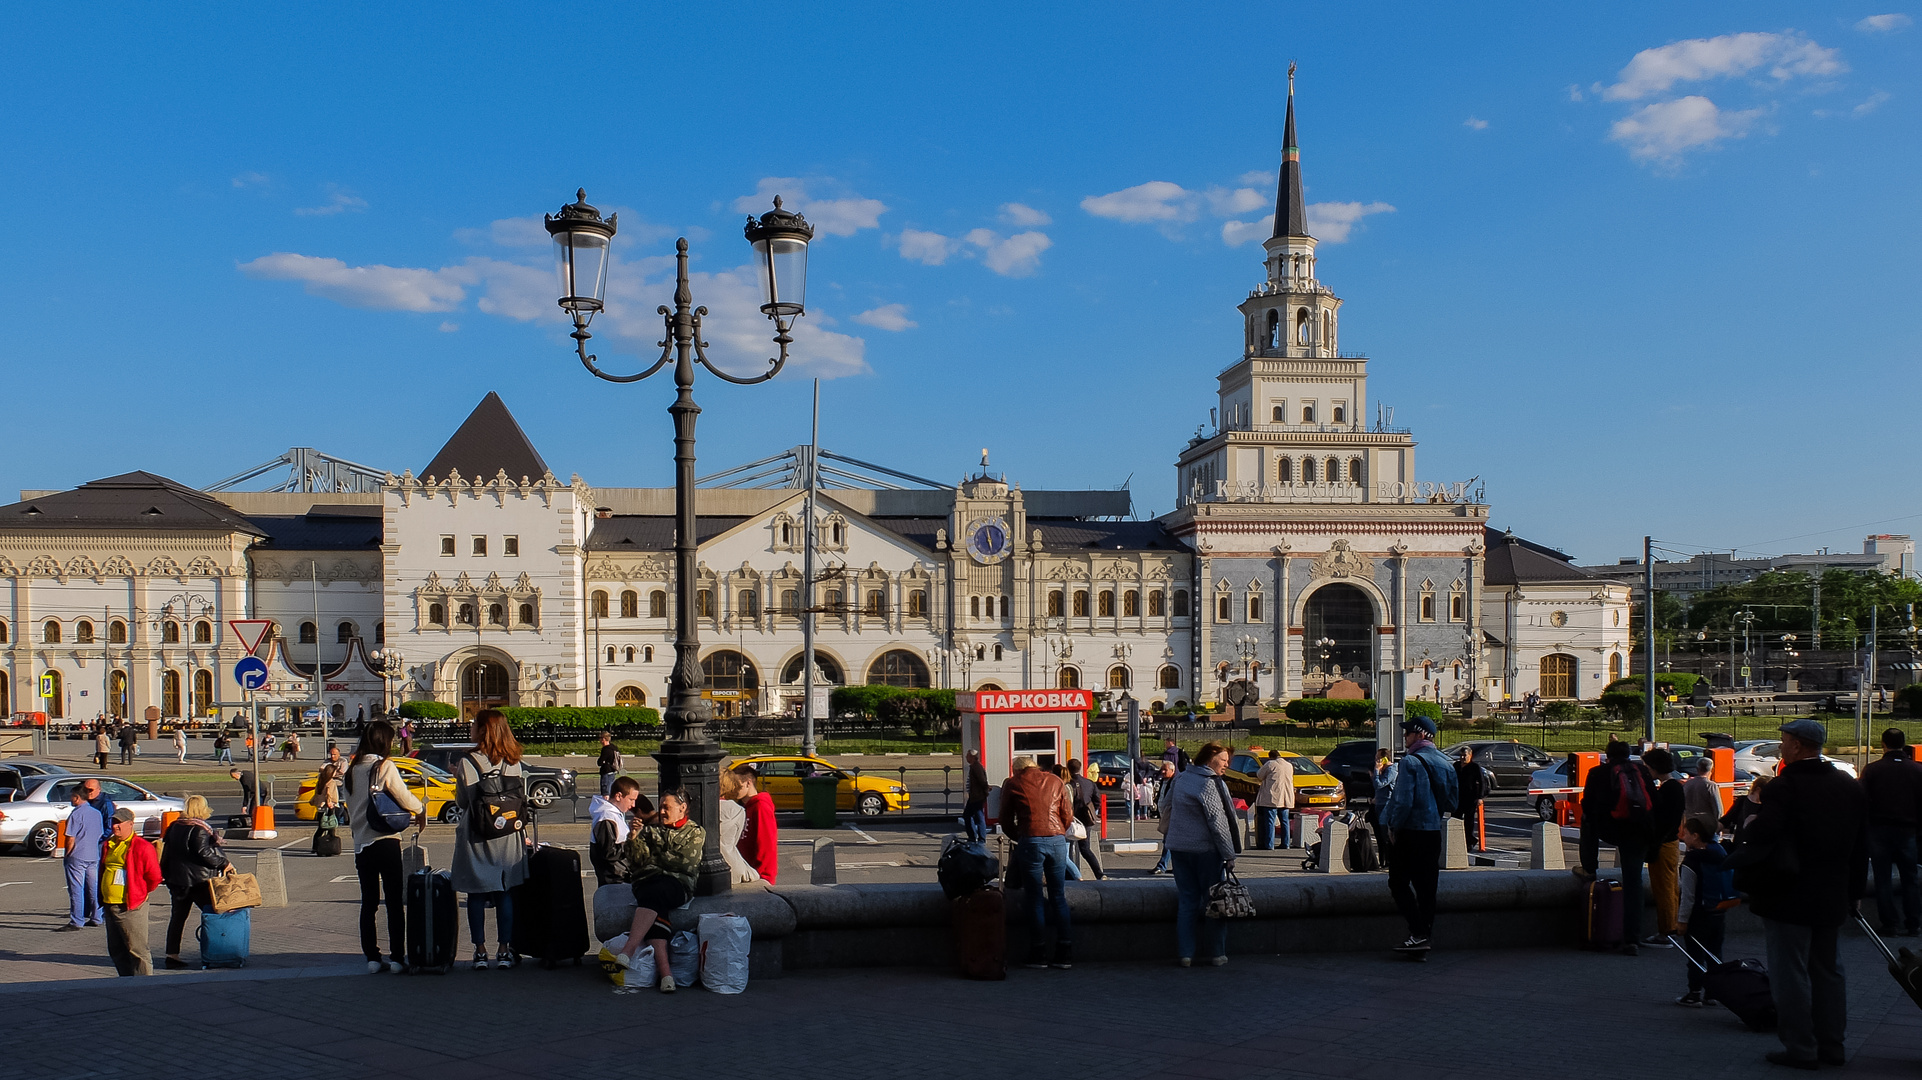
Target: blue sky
{"points": [[1643, 268]]}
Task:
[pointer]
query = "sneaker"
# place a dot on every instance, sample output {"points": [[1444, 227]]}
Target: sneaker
{"points": [[1037, 957], [397, 967], [480, 960], [1063, 956], [667, 984], [1413, 944], [1186, 961], [1218, 961], [68, 928], [375, 967], [1690, 1000], [631, 961], [174, 963], [507, 958], [1656, 941]]}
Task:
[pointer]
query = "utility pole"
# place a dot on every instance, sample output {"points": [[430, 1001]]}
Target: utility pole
{"points": [[807, 604], [1815, 618], [1648, 638]]}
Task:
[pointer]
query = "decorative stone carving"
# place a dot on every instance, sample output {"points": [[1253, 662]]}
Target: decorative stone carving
{"points": [[1339, 561], [115, 566]]}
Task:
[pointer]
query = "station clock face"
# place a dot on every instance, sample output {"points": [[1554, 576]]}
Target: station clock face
{"points": [[988, 540]]}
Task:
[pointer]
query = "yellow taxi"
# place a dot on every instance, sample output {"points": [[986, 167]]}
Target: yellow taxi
{"points": [[439, 793], [780, 776], [1314, 788]]}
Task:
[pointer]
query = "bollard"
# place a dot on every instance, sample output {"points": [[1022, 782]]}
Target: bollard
{"points": [[1334, 847], [1545, 847], [1454, 853], [60, 839], [264, 823], [270, 871], [822, 872]]}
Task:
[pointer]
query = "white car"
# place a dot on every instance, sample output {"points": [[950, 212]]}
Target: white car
{"points": [[1763, 756], [35, 810]]}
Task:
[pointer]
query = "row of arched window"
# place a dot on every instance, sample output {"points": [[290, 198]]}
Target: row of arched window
{"points": [[52, 632], [1225, 606], [645, 654], [1061, 603], [747, 603], [467, 614], [1280, 413], [343, 633], [1305, 329], [170, 703], [1310, 470], [1120, 677]]}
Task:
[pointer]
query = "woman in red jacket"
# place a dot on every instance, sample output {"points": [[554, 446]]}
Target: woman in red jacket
{"points": [[760, 842]]}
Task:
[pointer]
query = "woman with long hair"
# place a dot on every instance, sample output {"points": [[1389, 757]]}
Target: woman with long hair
{"points": [[376, 848], [190, 857], [490, 848]]}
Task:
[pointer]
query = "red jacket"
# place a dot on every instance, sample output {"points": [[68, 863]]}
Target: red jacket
{"points": [[143, 870], [760, 842]]}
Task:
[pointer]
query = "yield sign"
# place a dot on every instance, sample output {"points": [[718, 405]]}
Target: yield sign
{"points": [[251, 632]]}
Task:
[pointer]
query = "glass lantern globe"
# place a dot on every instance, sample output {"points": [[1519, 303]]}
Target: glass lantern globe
{"points": [[581, 242], [780, 238]]}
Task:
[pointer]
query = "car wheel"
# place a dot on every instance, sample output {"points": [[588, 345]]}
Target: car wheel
{"points": [[450, 814], [543, 795], [41, 840], [1545, 808], [871, 805]]}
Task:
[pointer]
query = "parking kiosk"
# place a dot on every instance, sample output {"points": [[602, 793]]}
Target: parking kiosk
{"points": [[1050, 726]]}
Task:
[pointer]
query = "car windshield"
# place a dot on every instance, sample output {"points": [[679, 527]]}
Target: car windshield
{"points": [[1304, 766], [436, 774]]}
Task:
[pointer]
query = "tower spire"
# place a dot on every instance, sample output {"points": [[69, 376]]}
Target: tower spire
{"points": [[1291, 219]]}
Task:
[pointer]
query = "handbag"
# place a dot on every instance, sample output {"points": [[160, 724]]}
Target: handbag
{"points": [[1229, 899], [385, 814], [1077, 831], [233, 890]]}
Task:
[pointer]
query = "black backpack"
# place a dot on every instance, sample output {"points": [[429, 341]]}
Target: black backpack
{"points": [[500, 803], [965, 866], [1361, 856]]}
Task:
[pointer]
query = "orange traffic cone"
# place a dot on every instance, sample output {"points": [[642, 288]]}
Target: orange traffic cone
{"points": [[264, 823], [60, 840]]}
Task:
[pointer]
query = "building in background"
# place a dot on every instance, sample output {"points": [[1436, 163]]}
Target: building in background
{"points": [[1882, 553]]}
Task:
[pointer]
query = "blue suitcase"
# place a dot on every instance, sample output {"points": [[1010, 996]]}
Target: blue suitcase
{"points": [[225, 939]]}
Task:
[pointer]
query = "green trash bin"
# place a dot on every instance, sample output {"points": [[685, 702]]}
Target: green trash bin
{"points": [[817, 800]]}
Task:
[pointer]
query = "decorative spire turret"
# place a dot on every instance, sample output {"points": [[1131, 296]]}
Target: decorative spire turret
{"points": [[1291, 218]]}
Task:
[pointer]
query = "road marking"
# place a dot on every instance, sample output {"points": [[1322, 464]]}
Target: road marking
{"points": [[864, 836], [343, 877], [4, 884], [291, 843]]}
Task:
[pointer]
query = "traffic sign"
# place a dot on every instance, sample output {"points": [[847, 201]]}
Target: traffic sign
{"points": [[47, 684], [1744, 671], [251, 632], [251, 673]]}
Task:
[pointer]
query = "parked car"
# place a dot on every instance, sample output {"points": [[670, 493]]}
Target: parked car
{"points": [[1763, 756], [439, 787], [1314, 788], [1512, 764], [780, 776], [1353, 763], [545, 783], [27, 767], [37, 808], [1113, 765]]}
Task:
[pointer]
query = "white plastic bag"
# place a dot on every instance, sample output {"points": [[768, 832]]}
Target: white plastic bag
{"points": [[640, 976], [725, 942], [684, 957]]}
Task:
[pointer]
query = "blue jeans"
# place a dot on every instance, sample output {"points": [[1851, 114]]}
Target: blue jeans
{"points": [[1044, 860], [226, 755], [503, 917], [1892, 848], [975, 820], [1195, 873], [1265, 830], [83, 891]]}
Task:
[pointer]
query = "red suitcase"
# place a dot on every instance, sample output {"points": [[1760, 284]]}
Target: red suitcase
{"points": [[981, 934], [1602, 926]]}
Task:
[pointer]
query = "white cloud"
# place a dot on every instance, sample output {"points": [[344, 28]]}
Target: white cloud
{"points": [[383, 288], [448, 327], [1329, 222], [1156, 200], [250, 179], [1475, 123], [1225, 203], [1015, 213], [1663, 131], [836, 217], [1873, 103], [1574, 92], [1015, 256], [926, 248], [514, 232], [887, 317], [1237, 233], [1255, 177], [338, 202], [1786, 56], [1884, 24]]}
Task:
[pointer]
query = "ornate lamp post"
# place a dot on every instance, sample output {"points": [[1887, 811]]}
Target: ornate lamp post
{"points": [[389, 664], [689, 758]]}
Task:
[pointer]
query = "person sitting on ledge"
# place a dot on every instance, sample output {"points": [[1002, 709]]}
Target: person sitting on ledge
{"points": [[663, 858]]}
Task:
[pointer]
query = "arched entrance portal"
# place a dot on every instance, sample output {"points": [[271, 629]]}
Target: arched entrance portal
{"points": [[484, 684], [1344, 617], [733, 685]]}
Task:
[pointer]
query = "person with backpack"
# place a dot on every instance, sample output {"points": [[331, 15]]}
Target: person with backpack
{"points": [[1422, 793], [190, 856], [1665, 854], [1618, 808], [490, 847], [223, 748], [380, 807], [974, 812], [1705, 888]]}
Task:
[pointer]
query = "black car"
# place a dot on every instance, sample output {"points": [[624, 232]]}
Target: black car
{"points": [[1511, 763], [1113, 764], [544, 782], [1353, 763]]}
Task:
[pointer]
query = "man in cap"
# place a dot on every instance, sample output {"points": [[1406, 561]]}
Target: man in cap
{"points": [[1810, 863], [1422, 794], [129, 870]]}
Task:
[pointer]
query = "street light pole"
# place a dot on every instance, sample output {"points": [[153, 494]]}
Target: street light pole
{"points": [[689, 758]]}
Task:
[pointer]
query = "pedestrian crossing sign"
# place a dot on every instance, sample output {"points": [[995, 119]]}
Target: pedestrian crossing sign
{"points": [[48, 684]]}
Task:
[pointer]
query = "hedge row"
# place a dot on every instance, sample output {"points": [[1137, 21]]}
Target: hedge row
{"points": [[1682, 681], [1313, 710], [868, 700], [591, 718]]}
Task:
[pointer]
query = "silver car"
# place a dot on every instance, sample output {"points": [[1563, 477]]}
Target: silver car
{"points": [[34, 811]]}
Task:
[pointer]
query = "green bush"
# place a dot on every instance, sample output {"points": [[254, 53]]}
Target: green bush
{"points": [[890, 703], [1412, 709], [1626, 706], [591, 718], [1682, 682], [1562, 712], [1311, 711], [429, 710]]}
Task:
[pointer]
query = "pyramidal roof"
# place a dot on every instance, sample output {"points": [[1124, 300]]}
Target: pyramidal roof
{"points": [[135, 500], [488, 441], [1291, 217]]}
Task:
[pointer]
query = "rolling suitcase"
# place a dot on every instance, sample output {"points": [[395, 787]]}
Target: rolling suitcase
{"points": [[225, 940], [550, 915], [428, 897], [981, 934], [1906, 967], [1742, 985], [1602, 924]]}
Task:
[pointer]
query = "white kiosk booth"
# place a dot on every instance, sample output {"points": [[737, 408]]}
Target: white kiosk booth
{"points": [[1050, 726]]}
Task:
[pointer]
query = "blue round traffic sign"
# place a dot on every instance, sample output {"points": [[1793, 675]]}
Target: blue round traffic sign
{"points": [[251, 673]]}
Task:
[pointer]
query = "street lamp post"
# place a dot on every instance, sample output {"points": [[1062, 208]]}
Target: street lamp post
{"points": [[388, 664], [689, 757]]}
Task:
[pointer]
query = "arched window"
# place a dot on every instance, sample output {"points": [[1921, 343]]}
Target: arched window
{"points": [[750, 604], [203, 692], [1157, 603], [1341, 413], [526, 615], [1308, 471], [468, 616], [1334, 470], [1169, 678], [1457, 607], [630, 697], [647, 654], [630, 604], [1131, 603], [729, 670], [1614, 666], [436, 614], [116, 632], [918, 603], [598, 604], [826, 669], [1056, 604], [988, 605], [380, 628], [1285, 470], [610, 654], [345, 633], [1328, 334], [1224, 608], [840, 533], [704, 603], [50, 633], [83, 632], [832, 601], [787, 533], [310, 634], [3, 641], [170, 693], [657, 604], [790, 603], [203, 633], [496, 615], [980, 652], [57, 704], [1181, 602], [1254, 607], [1105, 604], [877, 605], [1118, 677], [1279, 416], [1427, 607], [1069, 678], [1080, 605], [117, 695], [1354, 471], [170, 633], [974, 607], [1304, 327], [997, 652], [628, 654], [899, 667], [1558, 676], [1274, 331]]}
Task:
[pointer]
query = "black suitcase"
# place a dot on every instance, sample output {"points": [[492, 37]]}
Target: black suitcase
{"points": [[1741, 985], [550, 915], [1906, 967], [965, 866], [432, 918]]}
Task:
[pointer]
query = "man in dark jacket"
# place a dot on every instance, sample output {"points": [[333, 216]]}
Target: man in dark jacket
{"points": [[974, 812], [1894, 787], [1664, 853], [1618, 808], [1810, 866], [1471, 780]]}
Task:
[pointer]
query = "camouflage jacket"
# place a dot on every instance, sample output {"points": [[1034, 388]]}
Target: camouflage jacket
{"points": [[664, 849]]}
